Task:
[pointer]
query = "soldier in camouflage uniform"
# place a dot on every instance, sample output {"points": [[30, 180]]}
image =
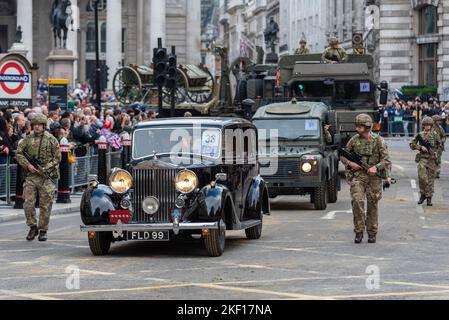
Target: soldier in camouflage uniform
{"points": [[440, 131], [42, 146], [334, 53], [302, 48], [367, 184], [427, 160]]}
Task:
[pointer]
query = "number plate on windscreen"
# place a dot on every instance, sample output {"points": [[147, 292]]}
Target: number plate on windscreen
{"points": [[148, 236]]}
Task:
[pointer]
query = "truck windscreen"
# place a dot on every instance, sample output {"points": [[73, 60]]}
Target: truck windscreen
{"points": [[340, 90]]}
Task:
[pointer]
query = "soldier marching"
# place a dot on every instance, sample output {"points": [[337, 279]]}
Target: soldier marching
{"points": [[428, 143], [367, 184], [44, 148]]}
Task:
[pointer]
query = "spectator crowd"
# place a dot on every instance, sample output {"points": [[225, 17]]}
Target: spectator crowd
{"points": [[81, 124], [400, 118]]}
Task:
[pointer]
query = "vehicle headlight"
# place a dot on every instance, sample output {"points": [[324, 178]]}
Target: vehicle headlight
{"points": [[150, 205], [186, 181], [120, 181], [306, 167]]}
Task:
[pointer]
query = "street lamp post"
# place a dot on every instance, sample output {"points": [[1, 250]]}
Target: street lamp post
{"points": [[97, 57]]}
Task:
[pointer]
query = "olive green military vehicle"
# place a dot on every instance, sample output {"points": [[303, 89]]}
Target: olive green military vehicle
{"points": [[304, 161], [349, 88]]}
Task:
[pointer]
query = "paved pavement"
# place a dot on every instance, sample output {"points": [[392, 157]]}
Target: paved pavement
{"points": [[303, 254]]}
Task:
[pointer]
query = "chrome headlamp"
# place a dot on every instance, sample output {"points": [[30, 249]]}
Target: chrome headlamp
{"points": [[120, 181], [186, 181], [150, 205]]}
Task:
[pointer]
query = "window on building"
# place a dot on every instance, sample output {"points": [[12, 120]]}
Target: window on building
{"points": [[428, 20], [428, 59], [103, 37], [90, 37]]}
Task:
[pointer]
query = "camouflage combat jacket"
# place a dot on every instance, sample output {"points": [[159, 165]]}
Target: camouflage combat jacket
{"points": [[338, 55], [301, 51], [45, 148], [374, 152], [433, 138], [440, 131]]}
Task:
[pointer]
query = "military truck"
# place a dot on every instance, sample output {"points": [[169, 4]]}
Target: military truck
{"points": [[349, 88], [305, 160]]}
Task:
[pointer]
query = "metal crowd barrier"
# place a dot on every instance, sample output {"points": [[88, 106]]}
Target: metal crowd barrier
{"points": [[79, 172]]}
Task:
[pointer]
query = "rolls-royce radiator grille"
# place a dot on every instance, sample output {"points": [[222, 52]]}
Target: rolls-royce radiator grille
{"points": [[156, 183]]}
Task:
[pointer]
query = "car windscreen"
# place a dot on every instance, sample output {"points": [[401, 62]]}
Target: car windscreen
{"points": [[344, 90], [185, 141], [289, 129]]}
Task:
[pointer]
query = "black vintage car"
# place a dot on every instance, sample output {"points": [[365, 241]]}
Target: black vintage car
{"points": [[190, 176]]}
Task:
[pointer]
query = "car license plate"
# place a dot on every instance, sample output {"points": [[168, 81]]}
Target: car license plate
{"points": [[148, 236]]}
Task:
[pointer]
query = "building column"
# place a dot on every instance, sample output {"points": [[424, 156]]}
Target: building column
{"points": [[140, 31], [158, 21], [193, 27], [72, 38], [24, 14], [113, 38]]}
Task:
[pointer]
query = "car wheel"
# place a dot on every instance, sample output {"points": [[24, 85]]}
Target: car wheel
{"points": [[332, 190], [101, 243], [254, 233], [216, 240], [320, 197]]}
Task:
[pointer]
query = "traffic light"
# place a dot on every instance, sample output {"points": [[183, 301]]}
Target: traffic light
{"points": [[160, 66], [172, 71], [384, 90]]}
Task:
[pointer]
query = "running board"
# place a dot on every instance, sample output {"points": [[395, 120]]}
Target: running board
{"points": [[249, 224]]}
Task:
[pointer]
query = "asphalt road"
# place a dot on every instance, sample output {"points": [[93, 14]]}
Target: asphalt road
{"points": [[303, 254]]}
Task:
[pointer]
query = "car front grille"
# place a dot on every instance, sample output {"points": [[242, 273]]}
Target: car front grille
{"points": [[287, 169], [158, 183]]}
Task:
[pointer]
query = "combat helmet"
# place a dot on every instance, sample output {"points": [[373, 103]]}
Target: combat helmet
{"points": [[428, 121], [364, 120], [333, 40], [39, 119], [436, 118]]}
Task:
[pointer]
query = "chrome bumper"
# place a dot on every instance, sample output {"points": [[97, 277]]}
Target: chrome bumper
{"points": [[119, 228]]}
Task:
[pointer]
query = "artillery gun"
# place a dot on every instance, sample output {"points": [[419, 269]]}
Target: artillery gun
{"points": [[196, 89]]}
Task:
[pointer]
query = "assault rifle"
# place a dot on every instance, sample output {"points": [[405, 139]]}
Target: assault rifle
{"points": [[38, 165], [427, 145], [358, 159]]}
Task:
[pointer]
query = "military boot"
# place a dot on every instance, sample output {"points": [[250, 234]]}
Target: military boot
{"points": [[372, 239], [358, 238], [429, 202], [42, 235], [32, 234], [422, 199]]}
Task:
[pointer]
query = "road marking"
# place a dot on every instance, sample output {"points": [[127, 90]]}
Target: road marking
{"points": [[98, 273], [416, 196], [390, 294], [331, 215], [446, 162], [264, 292], [413, 182], [399, 167], [58, 217], [421, 285], [26, 295]]}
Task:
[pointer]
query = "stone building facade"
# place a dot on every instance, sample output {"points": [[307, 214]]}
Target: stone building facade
{"points": [[414, 43], [128, 31]]}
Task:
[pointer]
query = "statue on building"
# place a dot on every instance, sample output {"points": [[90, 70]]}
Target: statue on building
{"points": [[61, 18], [19, 35], [271, 35]]}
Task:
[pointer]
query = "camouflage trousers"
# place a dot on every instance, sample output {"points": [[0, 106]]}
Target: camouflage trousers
{"points": [[34, 185], [427, 172], [364, 187]]}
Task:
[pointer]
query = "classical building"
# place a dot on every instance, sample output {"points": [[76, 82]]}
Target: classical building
{"points": [[317, 20], [414, 43], [128, 31], [242, 25]]}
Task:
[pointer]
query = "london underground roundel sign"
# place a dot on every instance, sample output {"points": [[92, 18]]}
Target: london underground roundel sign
{"points": [[15, 81]]}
